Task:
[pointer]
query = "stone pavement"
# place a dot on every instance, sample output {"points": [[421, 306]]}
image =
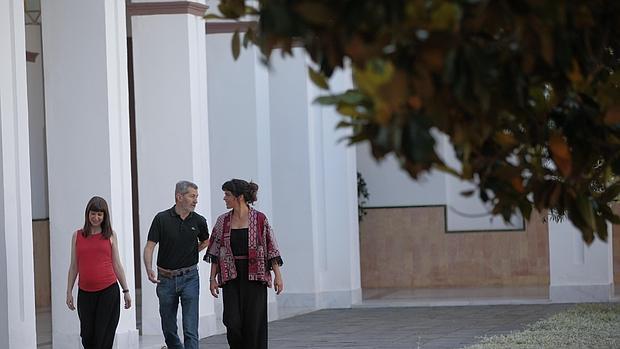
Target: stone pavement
{"points": [[401, 327]]}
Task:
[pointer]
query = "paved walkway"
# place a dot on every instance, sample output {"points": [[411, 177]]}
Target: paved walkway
{"points": [[402, 327], [390, 319]]}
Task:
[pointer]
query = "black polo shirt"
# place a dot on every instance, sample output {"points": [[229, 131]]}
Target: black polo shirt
{"points": [[177, 238]]}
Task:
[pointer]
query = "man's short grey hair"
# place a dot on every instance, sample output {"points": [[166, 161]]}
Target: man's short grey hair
{"points": [[182, 187]]}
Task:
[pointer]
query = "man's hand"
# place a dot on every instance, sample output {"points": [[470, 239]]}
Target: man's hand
{"points": [[203, 245], [152, 276]]}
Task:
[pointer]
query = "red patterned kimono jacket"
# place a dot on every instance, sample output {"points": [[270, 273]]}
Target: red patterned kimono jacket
{"points": [[262, 248]]}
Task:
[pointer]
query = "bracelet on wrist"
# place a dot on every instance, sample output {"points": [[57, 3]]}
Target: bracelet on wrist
{"points": [[125, 291]]}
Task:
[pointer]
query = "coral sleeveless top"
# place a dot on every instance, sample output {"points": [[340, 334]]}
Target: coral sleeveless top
{"points": [[94, 260]]}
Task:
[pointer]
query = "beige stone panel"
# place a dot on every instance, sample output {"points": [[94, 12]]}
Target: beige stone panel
{"points": [[41, 249], [409, 248]]}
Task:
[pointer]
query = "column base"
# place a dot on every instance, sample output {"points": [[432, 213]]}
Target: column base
{"points": [[272, 310], [127, 339], [152, 341], [339, 299], [209, 325], [291, 304], [66, 340], [581, 293]]}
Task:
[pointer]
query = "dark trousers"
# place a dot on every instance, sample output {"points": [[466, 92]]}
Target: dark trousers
{"points": [[245, 310], [99, 313]]}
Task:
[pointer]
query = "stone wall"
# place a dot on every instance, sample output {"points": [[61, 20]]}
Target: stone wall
{"points": [[409, 248]]}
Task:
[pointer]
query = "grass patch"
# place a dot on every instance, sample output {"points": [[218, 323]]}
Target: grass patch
{"points": [[584, 326]]}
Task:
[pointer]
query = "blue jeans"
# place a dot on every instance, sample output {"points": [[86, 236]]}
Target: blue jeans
{"points": [[169, 290]]}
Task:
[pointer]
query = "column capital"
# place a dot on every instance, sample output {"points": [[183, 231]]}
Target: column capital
{"points": [[229, 26], [166, 8]]}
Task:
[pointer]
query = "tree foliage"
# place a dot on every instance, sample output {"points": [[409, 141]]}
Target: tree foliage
{"points": [[528, 91], [362, 197]]}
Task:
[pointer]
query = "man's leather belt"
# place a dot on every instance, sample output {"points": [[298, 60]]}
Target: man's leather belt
{"points": [[169, 274]]}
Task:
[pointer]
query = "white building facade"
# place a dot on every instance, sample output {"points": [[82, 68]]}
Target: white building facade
{"points": [[132, 98]]}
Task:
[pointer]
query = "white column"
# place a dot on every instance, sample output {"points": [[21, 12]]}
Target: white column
{"points": [[234, 116], [239, 117], [339, 247], [172, 130], [578, 272], [87, 123], [17, 312], [294, 172], [315, 194]]}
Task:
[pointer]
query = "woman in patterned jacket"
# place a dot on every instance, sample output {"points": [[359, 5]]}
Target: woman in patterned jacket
{"points": [[243, 252]]}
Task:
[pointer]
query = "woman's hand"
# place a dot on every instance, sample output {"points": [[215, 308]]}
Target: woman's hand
{"points": [[127, 298], [69, 301], [214, 287], [278, 284]]}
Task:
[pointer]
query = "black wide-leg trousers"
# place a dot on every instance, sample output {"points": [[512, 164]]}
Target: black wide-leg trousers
{"points": [[99, 313], [245, 310]]}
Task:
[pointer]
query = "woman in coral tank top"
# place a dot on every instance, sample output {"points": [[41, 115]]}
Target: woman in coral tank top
{"points": [[95, 258]]}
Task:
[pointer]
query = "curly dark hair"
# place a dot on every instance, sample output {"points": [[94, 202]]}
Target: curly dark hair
{"points": [[240, 187]]}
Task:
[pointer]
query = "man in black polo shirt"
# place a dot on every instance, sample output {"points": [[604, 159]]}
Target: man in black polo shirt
{"points": [[181, 233]]}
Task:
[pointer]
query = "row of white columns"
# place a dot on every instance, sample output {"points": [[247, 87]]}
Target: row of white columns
{"points": [[252, 124], [307, 177]]}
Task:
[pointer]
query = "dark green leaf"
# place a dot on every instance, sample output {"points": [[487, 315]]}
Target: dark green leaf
{"points": [[318, 79], [236, 45], [468, 193], [328, 100], [314, 12], [213, 16], [249, 10], [611, 193], [526, 209], [601, 228], [248, 37], [585, 209]]}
